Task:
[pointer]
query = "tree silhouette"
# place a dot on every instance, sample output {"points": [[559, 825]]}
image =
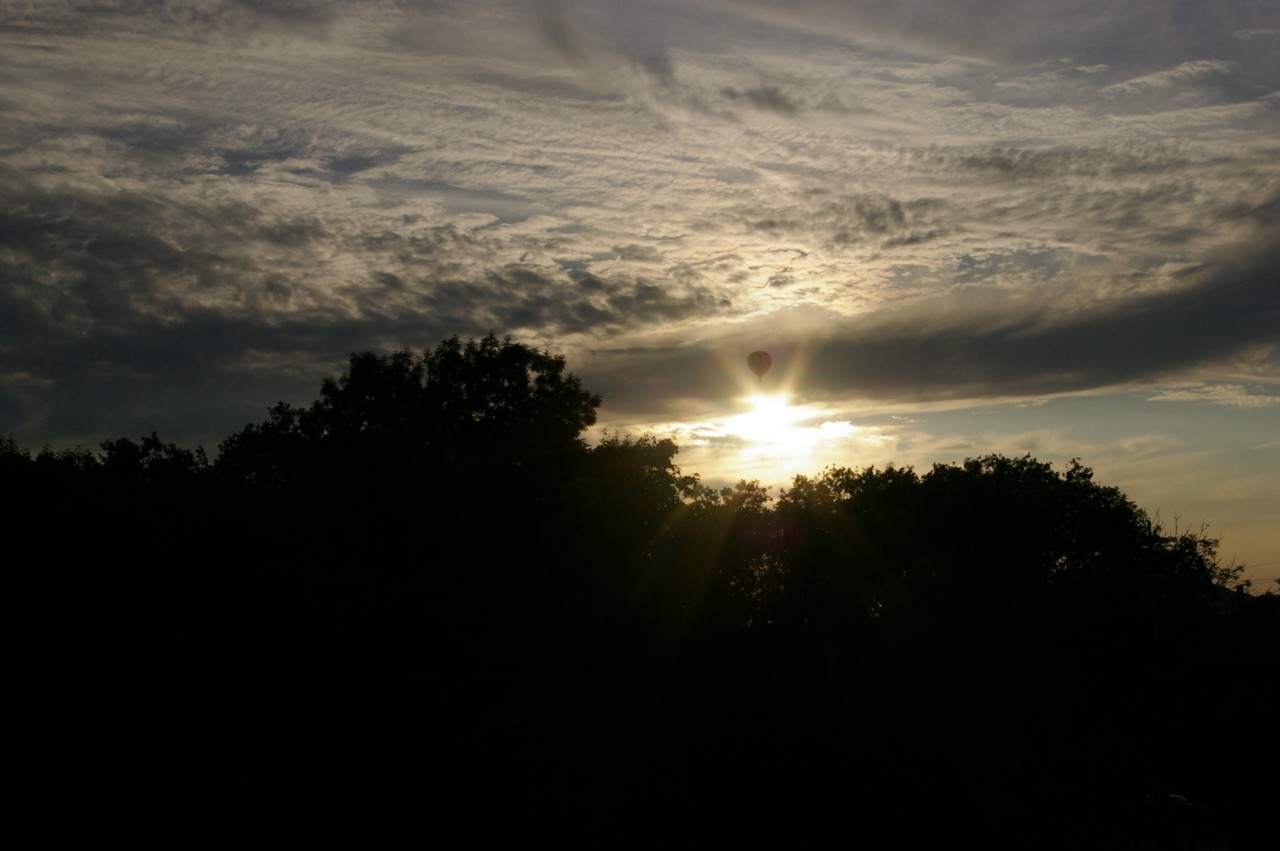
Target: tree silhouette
{"points": [[151, 462], [487, 403], [427, 570]]}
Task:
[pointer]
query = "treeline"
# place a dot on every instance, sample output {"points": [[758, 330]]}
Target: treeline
{"points": [[425, 590]]}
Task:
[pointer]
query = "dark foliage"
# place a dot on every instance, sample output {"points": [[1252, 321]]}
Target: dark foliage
{"points": [[425, 594], [460, 411]]}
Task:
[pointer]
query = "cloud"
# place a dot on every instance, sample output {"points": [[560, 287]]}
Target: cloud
{"points": [[1226, 395], [1216, 312], [1181, 76], [988, 345], [764, 97], [1257, 32], [922, 210]]}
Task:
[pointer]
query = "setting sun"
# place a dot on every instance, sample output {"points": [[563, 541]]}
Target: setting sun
{"points": [[770, 419], [773, 439]]}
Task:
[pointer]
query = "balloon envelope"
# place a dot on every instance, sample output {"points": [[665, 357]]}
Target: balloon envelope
{"points": [[759, 363]]}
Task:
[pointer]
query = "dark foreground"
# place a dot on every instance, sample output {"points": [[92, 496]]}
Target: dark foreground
{"points": [[295, 697]]}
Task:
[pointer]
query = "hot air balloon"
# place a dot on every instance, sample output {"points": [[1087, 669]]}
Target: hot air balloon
{"points": [[759, 363]]}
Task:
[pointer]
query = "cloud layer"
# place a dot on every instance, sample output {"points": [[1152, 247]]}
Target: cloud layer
{"points": [[205, 206]]}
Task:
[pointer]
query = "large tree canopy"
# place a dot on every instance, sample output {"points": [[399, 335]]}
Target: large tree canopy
{"points": [[429, 553], [486, 403]]}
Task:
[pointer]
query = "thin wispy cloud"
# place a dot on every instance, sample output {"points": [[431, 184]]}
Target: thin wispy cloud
{"points": [[1229, 395]]}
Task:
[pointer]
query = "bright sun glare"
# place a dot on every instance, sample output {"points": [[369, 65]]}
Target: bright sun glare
{"points": [[781, 438], [769, 420], [767, 438]]}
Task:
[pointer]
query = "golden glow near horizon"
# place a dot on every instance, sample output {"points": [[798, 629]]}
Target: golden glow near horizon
{"points": [[771, 440], [780, 437], [770, 418]]}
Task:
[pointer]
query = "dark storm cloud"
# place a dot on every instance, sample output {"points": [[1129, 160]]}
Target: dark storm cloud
{"points": [[107, 330], [642, 379], [1214, 313], [109, 294], [198, 377], [202, 373], [1225, 308], [123, 311]]}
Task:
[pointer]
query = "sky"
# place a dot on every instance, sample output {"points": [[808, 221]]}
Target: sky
{"points": [[1045, 227]]}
